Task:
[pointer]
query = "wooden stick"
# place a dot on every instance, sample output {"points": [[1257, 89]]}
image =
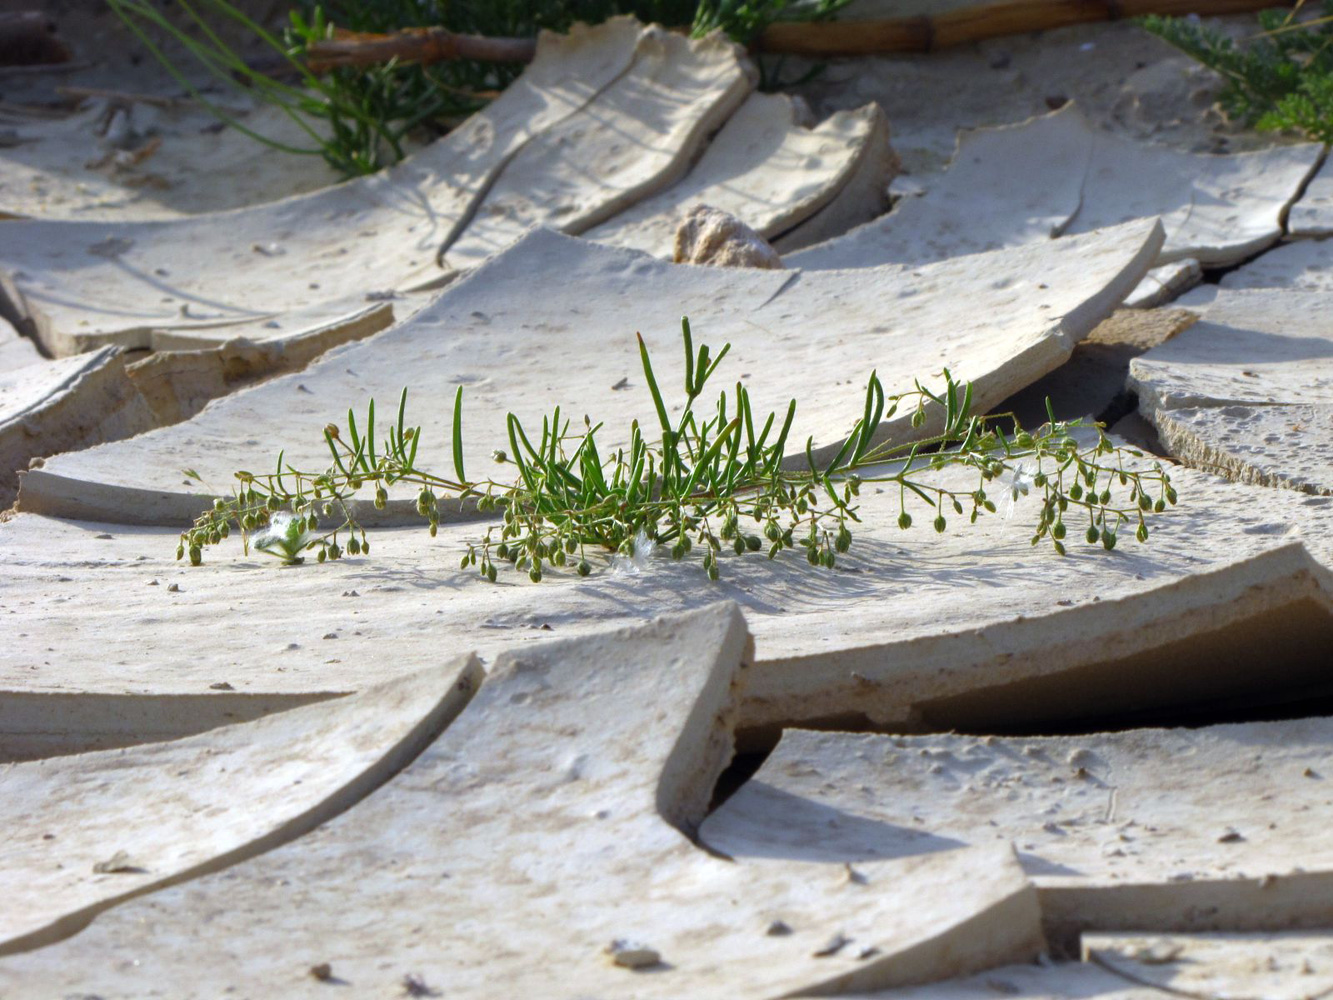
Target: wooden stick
{"points": [[820, 38], [424, 45], [27, 38], [974, 24]]}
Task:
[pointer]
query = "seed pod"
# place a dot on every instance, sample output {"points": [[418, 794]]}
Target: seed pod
{"points": [[434, 527], [1060, 548], [812, 556], [1105, 498], [753, 542], [535, 574], [918, 418], [989, 505], [1108, 539], [218, 505], [941, 524], [180, 551], [463, 563], [772, 532], [1092, 535], [196, 555], [1171, 496], [712, 571], [584, 568], [1040, 480], [224, 530], [321, 555], [250, 522], [828, 559], [1024, 440], [774, 549], [957, 506], [353, 546], [490, 572], [904, 520], [571, 543], [1075, 491], [273, 503], [1159, 506], [1058, 530], [381, 498], [844, 540], [1144, 502], [214, 537], [739, 546]]}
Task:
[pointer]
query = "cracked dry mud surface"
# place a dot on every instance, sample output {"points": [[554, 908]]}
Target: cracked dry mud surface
{"points": [[954, 766]]}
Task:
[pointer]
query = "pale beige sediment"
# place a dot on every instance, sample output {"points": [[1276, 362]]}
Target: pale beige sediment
{"points": [[971, 628], [1218, 828], [768, 167], [1000, 320], [636, 138], [1248, 391], [62, 405], [85, 284], [549, 821], [87, 832]]}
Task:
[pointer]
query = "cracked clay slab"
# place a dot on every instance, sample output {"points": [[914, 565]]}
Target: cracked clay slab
{"points": [[1000, 320], [1054, 175], [542, 840], [1248, 390], [1169, 829], [637, 137], [85, 284], [1005, 187], [1233, 576], [1312, 215], [766, 167], [1290, 966], [1155, 966], [68, 403], [88, 831], [1304, 265]]}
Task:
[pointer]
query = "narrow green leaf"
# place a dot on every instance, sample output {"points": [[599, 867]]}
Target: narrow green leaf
{"points": [[458, 436]]}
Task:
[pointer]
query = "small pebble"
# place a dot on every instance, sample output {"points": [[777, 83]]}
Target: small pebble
{"points": [[834, 945], [632, 954]]}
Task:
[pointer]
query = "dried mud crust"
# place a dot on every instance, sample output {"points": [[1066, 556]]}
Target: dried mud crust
{"points": [[1123, 79]]}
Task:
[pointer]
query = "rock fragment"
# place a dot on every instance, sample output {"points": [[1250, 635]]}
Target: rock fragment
{"points": [[711, 236]]}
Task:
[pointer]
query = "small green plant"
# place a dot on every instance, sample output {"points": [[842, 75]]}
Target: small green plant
{"points": [[712, 479], [359, 119], [1280, 80]]}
